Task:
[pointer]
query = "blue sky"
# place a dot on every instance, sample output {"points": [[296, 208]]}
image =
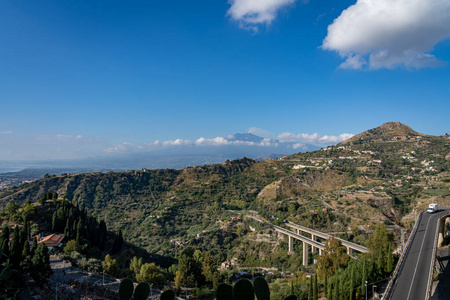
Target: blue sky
{"points": [[85, 78]]}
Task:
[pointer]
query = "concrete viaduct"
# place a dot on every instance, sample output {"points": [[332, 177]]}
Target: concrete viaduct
{"points": [[313, 241]]}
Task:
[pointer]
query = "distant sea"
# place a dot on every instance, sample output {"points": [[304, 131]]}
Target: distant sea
{"points": [[6, 170]]}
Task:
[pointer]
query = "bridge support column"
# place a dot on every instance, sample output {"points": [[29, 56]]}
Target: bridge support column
{"points": [[349, 251], [305, 254], [313, 249], [291, 244], [441, 232], [320, 251]]}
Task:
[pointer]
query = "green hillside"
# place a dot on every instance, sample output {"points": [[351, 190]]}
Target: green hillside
{"points": [[378, 176]]}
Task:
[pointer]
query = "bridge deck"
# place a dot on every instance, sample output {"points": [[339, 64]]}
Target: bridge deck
{"points": [[412, 281]]}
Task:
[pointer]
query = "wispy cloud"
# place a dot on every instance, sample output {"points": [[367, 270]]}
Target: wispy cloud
{"points": [[6, 132], [64, 138], [258, 132], [376, 34], [253, 13]]}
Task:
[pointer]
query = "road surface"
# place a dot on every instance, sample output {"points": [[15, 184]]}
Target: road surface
{"points": [[413, 278]]}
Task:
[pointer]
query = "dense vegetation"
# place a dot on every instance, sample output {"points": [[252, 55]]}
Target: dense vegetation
{"points": [[347, 189]]}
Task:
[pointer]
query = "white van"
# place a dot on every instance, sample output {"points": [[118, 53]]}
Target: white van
{"points": [[433, 207]]}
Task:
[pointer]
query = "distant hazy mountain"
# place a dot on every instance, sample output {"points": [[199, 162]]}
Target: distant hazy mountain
{"points": [[246, 137], [232, 147]]}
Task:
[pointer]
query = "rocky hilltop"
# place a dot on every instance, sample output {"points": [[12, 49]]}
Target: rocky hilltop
{"points": [[389, 130]]}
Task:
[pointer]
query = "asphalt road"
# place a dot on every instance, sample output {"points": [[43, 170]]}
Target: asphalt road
{"points": [[413, 278]]}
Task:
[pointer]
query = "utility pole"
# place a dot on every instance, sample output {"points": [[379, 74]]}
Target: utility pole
{"points": [[366, 289]]}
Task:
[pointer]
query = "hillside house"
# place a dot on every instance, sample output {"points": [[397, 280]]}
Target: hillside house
{"points": [[52, 240]]}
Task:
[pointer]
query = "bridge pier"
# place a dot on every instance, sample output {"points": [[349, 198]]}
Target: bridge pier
{"points": [[291, 244], [441, 232], [305, 254], [313, 249], [320, 251], [349, 251]]}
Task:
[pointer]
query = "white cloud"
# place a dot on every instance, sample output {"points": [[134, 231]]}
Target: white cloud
{"points": [[315, 138], [389, 33], [6, 132], [304, 137], [200, 142], [252, 13], [218, 141], [298, 145]]}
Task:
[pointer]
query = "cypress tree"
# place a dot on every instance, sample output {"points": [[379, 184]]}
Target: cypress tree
{"points": [[26, 229], [54, 221], [25, 249], [67, 230], [4, 243], [330, 291], [310, 290], [336, 289], [380, 263], [118, 243], [41, 265], [364, 277], [102, 234], [390, 260], [352, 282], [16, 249], [325, 285], [315, 289], [79, 229], [5, 235], [33, 247]]}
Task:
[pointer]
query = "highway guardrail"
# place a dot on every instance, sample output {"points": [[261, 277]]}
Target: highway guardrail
{"points": [[433, 257], [398, 268]]}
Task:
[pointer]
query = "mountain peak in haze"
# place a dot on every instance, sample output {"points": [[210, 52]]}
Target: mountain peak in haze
{"points": [[387, 130], [246, 137]]}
